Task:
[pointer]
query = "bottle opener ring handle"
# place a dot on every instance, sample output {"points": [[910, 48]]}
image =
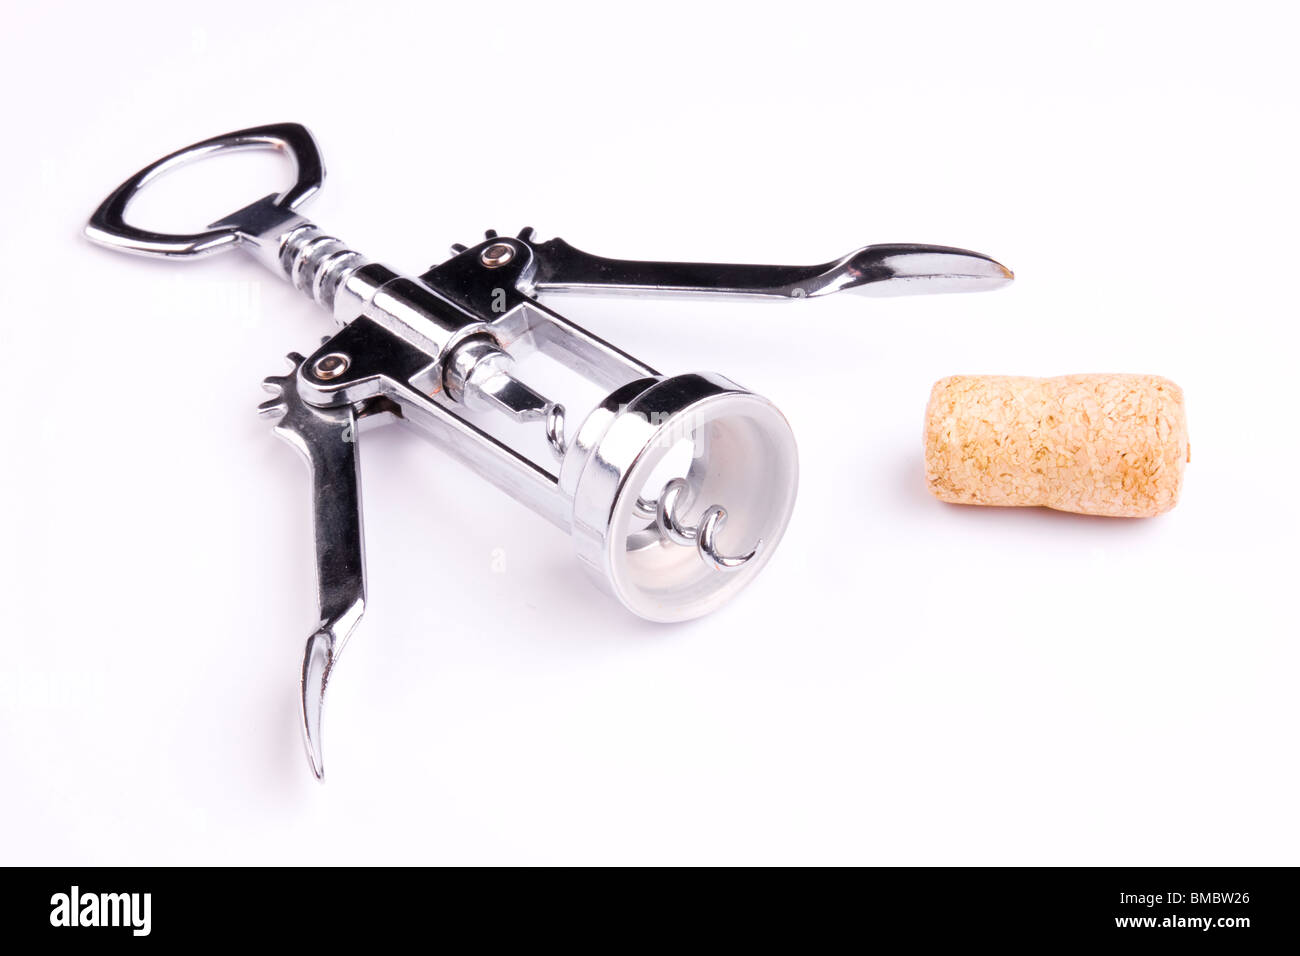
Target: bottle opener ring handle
{"points": [[109, 226]]}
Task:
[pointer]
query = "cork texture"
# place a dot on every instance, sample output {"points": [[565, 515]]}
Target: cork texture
{"points": [[1111, 445]]}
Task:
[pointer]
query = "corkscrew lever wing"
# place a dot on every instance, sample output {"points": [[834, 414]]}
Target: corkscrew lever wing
{"points": [[886, 269], [326, 437]]}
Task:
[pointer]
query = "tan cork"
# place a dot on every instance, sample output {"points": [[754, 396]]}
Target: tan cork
{"points": [[1094, 444]]}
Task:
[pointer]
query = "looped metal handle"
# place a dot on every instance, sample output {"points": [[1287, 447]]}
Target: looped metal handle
{"points": [[108, 225]]}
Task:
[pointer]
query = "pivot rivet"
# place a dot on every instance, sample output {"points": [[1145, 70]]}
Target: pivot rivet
{"points": [[497, 255], [330, 366]]}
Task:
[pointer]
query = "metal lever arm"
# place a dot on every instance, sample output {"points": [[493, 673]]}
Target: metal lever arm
{"points": [[876, 270], [327, 439]]}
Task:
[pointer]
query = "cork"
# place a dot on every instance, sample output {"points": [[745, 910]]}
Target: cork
{"points": [[1111, 445]]}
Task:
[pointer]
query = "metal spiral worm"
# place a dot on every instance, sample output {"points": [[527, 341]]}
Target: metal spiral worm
{"points": [[663, 509], [704, 535]]}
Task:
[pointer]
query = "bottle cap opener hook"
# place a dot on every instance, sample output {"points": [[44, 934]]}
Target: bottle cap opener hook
{"points": [[108, 226]]}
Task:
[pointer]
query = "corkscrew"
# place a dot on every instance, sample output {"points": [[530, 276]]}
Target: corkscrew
{"points": [[675, 489]]}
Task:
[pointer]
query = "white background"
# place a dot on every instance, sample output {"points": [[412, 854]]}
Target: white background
{"points": [[907, 682]]}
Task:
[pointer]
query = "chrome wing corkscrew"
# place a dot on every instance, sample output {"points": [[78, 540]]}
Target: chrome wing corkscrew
{"points": [[676, 489]]}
